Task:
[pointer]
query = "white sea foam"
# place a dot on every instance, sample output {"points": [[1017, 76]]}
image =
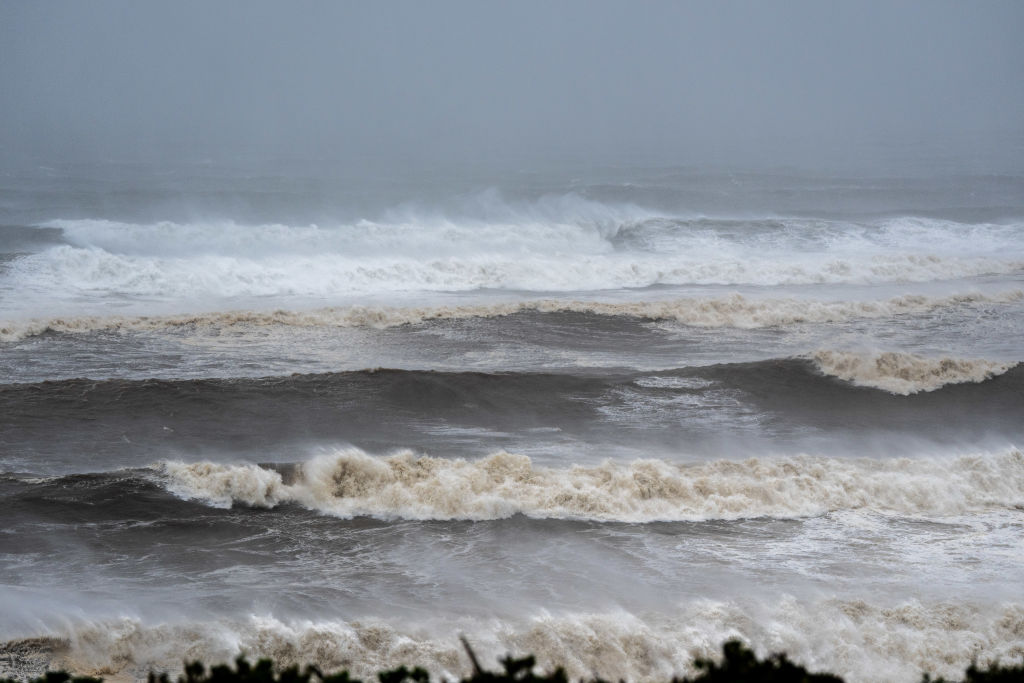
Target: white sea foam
{"points": [[70, 271], [349, 483], [556, 244], [726, 311], [905, 373], [569, 222], [659, 382], [553, 222], [862, 641]]}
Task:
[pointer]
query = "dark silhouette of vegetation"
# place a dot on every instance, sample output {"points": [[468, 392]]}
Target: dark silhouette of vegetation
{"points": [[57, 677], [993, 674], [739, 664]]}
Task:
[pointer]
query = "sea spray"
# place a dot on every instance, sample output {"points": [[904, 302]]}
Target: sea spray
{"points": [[864, 641]]}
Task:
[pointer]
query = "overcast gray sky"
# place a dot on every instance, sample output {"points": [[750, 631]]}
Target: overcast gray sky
{"points": [[672, 81]]}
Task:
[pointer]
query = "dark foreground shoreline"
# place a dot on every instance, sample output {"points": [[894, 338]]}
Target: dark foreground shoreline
{"points": [[738, 664]]}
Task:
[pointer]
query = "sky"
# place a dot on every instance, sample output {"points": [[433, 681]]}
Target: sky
{"points": [[674, 82]]}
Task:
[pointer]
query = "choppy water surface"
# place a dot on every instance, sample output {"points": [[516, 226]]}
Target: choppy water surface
{"points": [[610, 420]]}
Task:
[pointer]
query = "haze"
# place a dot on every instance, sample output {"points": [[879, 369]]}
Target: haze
{"points": [[744, 82]]}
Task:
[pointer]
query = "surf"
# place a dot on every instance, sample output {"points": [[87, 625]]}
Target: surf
{"points": [[349, 483]]}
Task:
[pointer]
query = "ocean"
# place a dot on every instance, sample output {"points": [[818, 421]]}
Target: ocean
{"points": [[609, 416]]}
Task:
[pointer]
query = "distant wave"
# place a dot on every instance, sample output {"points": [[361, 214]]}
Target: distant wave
{"points": [[70, 270], [66, 270], [905, 373], [728, 311], [565, 221], [863, 641], [557, 244], [350, 483], [569, 223]]}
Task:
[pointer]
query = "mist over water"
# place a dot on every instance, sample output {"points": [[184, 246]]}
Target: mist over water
{"points": [[331, 332], [400, 88]]}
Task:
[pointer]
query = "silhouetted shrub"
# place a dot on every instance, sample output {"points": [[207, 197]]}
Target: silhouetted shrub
{"points": [[739, 665], [995, 673]]}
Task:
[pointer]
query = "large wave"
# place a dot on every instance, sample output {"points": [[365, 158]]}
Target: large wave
{"points": [[555, 244], [350, 483], [611, 411], [67, 270], [859, 640], [483, 220], [727, 311]]}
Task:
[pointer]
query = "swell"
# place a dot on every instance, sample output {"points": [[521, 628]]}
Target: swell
{"points": [[22, 238], [734, 311], [108, 499], [859, 640], [386, 409]]}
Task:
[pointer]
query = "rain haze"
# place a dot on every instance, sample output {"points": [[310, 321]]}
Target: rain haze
{"points": [[732, 82], [605, 332]]}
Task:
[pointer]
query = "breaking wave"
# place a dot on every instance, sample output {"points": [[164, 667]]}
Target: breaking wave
{"points": [[861, 641], [728, 311], [905, 373], [69, 270], [563, 222], [555, 244], [350, 483]]}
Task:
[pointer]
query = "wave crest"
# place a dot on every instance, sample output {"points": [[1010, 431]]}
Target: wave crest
{"points": [[728, 311], [905, 373], [66, 271], [350, 483], [555, 244]]}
